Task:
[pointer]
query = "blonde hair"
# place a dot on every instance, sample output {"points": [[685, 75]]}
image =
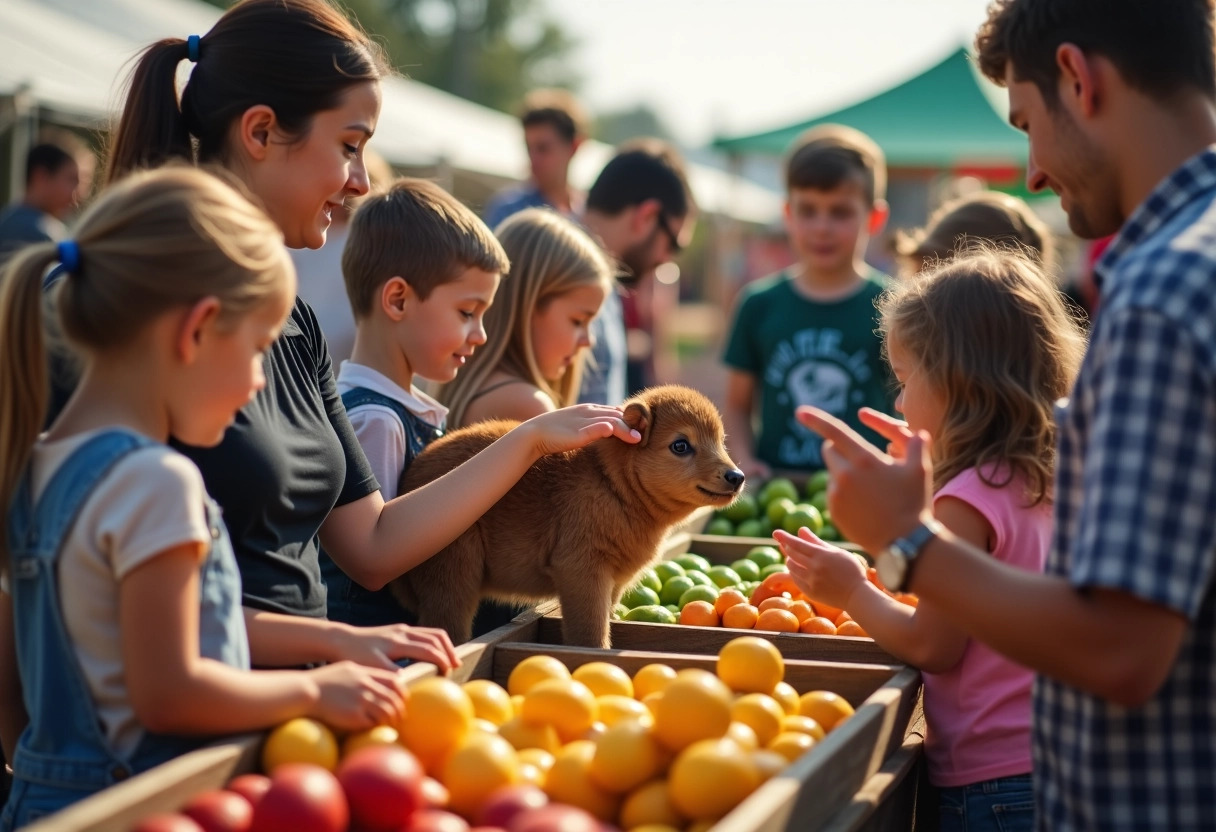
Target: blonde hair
{"points": [[155, 241], [549, 256], [989, 331]]}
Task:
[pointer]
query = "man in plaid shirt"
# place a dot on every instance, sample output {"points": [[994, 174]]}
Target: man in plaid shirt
{"points": [[1118, 98]]}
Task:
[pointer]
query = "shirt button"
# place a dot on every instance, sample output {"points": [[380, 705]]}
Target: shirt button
{"points": [[215, 532]]}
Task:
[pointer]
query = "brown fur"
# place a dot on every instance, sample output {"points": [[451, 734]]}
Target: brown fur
{"points": [[578, 525]]}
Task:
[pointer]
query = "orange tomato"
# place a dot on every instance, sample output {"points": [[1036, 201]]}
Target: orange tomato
{"points": [[740, 617], [699, 614], [779, 583], [781, 621], [829, 612], [818, 626]]}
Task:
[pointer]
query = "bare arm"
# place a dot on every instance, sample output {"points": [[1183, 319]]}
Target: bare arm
{"points": [[13, 717], [374, 542], [174, 690], [737, 419], [1103, 641]]}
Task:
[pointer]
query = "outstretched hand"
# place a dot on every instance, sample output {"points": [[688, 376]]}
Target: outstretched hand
{"points": [[383, 646], [874, 497], [574, 427], [822, 571], [895, 431]]}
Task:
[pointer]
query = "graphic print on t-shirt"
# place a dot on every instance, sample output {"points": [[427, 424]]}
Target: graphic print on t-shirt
{"points": [[810, 368]]}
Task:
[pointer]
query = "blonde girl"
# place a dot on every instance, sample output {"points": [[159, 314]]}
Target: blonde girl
{"points": [[122, 638], [982, 347], [538, 327]]}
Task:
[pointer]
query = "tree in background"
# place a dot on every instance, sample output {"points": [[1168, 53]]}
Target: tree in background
{"points": [[488, 51]]}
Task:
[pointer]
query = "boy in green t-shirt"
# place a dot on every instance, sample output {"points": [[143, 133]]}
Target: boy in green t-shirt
{"points": [[807, 335]]}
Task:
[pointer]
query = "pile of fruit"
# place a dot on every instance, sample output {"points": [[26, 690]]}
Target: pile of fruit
{"points": [[779, 505], [553, 752]]}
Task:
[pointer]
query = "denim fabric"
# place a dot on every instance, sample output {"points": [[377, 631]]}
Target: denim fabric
{"points": [[62, 755], [1002, 805]]}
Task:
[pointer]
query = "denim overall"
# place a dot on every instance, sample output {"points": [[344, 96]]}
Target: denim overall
{"points": [[349, 602], [63, 755]]}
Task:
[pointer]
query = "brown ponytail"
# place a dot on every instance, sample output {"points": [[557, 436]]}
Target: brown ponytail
{"points": [[297, 57]]}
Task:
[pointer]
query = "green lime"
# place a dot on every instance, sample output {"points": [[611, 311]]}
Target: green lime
{"points": [[772, 569], [639, 596], [699, 578], [690, 561], [744, 508], [652, 613], [748, 587], [819, 501], [766, 528], [778, 508], [747, 570], [829, 533], [699, 593], [764, 556], [723, 576], [673, 589], [675, 612], [619, 611], [750, 528], [803, 515], [720, 525], [817, 482], [666, 571], [649, 578], [777, 488]]}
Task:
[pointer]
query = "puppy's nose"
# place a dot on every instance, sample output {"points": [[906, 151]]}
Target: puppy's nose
{"points": [[734, 478]]}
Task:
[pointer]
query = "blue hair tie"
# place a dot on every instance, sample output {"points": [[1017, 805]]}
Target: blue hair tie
{"points": [[69, 256], [192, 48]]}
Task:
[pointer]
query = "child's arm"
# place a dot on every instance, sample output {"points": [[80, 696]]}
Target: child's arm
{"points": [[737, 419], [175, 691], [1108, 642], [277, 640], [922, 636], [374, 542], [13, 717]]}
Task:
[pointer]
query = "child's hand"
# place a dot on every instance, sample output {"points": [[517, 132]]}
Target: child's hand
{"points": [[352, 697], [573, 427], [895, 431], [383, 646], [822, 571]]}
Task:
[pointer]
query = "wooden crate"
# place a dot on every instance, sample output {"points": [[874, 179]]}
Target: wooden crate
{"points": [[721, 548], [849, 781]]}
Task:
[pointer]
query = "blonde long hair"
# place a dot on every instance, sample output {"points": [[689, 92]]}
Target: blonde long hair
{"points": [[154, 241], [991, 333], [549, 256]]}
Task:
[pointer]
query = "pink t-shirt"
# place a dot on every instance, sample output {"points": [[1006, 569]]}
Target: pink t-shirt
{"points": [[977, 715]]}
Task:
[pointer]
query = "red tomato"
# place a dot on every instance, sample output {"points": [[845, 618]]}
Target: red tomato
{"points": [[220, 811], [436, 820], [167, 822], [302, 798], [252, 787], [554, 818], [505, 803], [383, 786], [434, 794]]}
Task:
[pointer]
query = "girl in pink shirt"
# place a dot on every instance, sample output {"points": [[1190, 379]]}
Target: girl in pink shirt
{"points": [[981, 347]]}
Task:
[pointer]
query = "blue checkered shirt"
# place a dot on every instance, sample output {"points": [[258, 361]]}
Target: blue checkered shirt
{"points": [[1136, 512]]}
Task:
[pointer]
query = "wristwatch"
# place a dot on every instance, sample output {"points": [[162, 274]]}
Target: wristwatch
{"points": [[894, 563]]}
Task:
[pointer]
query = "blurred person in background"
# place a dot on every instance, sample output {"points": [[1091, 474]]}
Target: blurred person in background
{"points": [[319, 270], [554, 126], [58, 173]]}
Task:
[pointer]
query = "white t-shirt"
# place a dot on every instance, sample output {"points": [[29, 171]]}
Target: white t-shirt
{"points": [[378, 428], [151, 500]]}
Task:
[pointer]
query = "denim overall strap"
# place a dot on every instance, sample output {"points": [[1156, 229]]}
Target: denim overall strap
{"points": [[221, 634], [418, 432]]}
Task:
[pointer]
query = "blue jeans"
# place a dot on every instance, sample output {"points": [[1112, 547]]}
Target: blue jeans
{"points": [[1002, 805]]}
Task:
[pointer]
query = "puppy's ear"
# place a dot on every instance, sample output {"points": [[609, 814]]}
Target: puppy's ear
{"points": [[637, 416]]}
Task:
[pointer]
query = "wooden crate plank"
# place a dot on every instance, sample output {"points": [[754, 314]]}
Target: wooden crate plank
{"points": [[681, 638], [723, 548], [888, 800]]}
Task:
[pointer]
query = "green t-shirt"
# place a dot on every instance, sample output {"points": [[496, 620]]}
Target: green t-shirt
{"points": [[806, 352]]}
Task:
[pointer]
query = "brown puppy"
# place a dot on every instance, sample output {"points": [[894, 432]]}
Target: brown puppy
{"points": [[578, 525]]}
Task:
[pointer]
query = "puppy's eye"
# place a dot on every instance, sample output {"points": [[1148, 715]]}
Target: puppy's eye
{"points": [[681, 447]]}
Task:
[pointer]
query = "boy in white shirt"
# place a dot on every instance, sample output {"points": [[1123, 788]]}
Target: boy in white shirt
{"points": [[420, 270]]}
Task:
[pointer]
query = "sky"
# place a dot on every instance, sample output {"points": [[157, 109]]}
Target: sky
{"points": [[724, 67]]}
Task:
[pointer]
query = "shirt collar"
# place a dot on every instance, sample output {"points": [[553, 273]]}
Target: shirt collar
{"points": [[353, 374], [1196, 176]]}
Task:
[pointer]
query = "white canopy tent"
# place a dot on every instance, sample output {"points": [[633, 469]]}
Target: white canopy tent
{"points": [[68, 58]]}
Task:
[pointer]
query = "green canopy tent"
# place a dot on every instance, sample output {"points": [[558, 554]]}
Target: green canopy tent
{"points": [[942, 121]]}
